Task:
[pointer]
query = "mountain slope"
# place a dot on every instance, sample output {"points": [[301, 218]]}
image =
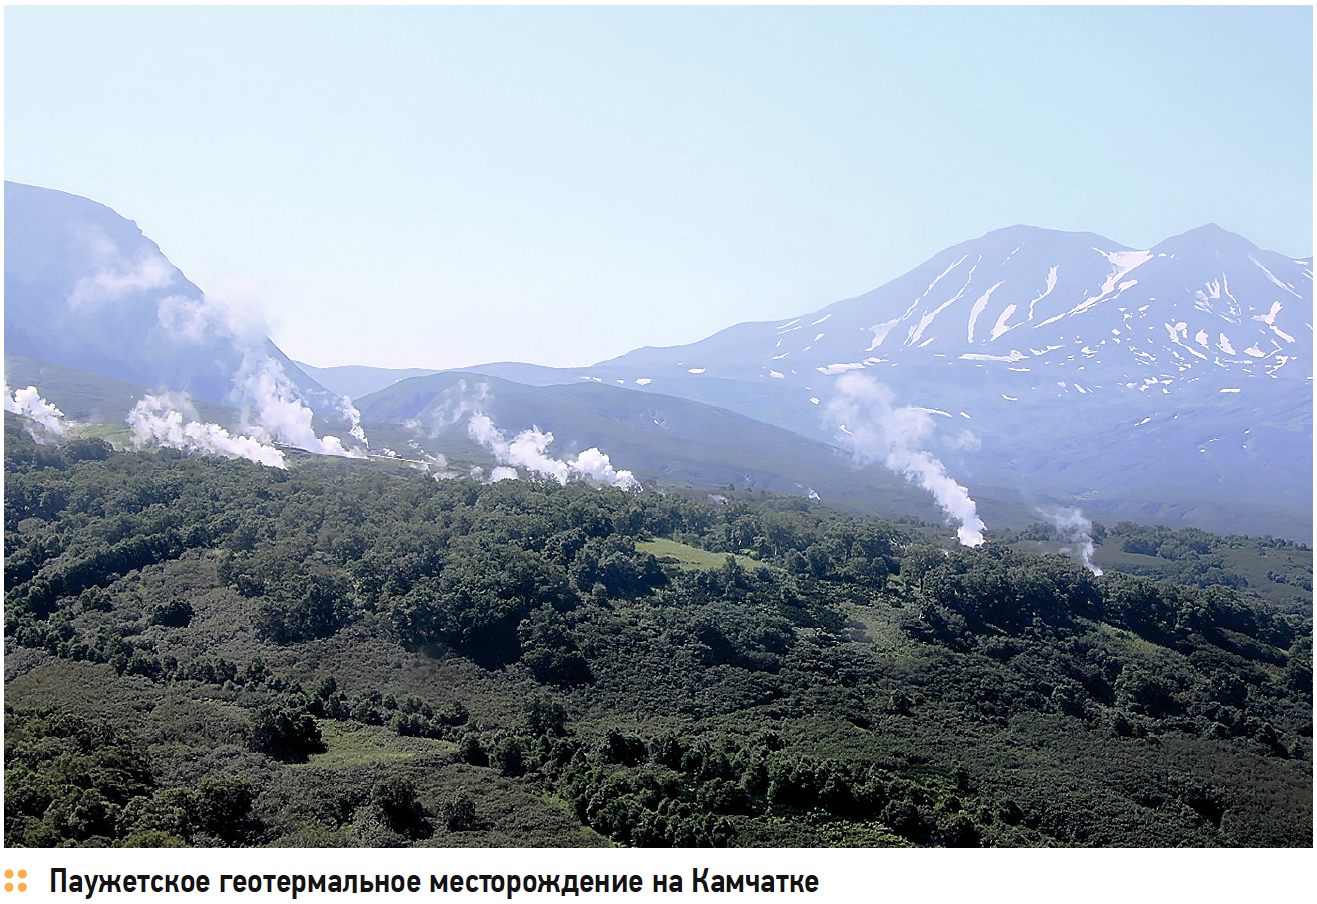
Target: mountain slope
{"points": [[660, 439], [1204, 303], [84, 288], [1175, 380], [1172, 383], [356, 380]]}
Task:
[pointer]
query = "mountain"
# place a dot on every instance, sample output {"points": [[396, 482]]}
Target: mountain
{"points": [[661, 439], [1177, 378], [1171, 384], [356, 380], [84, 288], [1206, 306]]}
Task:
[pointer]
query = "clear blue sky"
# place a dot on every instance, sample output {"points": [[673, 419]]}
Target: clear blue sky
{"points": [[430, 186]]}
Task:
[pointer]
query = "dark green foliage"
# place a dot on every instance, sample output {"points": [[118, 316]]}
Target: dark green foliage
{"points": [[396, 798], [470, 750], [304, 607], [1278, 571], [460, 814], [222, 807], [173, 614], [549, 651], [545, 717], [314, 656], [285, 733], [623, 749], [70, 779]]}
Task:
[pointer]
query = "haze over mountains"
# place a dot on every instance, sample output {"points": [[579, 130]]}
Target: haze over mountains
{"points": [[1171, 384]]}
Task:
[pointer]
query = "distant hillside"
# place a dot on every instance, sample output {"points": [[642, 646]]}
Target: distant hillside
{"points": [[355, 380], [1175, 381], [664, 440]]}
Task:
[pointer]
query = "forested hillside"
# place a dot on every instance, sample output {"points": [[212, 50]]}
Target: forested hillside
{"points": [[207, 652]]}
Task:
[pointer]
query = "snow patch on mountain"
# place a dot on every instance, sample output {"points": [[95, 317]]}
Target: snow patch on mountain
{"points": [[1000, 327], [1271, 276], [977, 309], [1012, 358], [832, 369], [917, 332]]}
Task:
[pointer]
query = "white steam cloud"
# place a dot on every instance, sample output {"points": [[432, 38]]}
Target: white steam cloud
{"points": [[529, 450], [29, 403], [275, 409], [875, 430], [157, 420], [116, 276], [353, 417], [1074, 528], [277, 412], [430, 464], [453, 406]]}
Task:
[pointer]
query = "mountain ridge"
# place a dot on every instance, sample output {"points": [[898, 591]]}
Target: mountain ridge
{"points": [[1063, 364], [86, 288]]}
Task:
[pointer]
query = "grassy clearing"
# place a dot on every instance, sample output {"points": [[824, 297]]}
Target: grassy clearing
{"points": [[352, 744], [691, 557], [882, 627], [116, 435]]}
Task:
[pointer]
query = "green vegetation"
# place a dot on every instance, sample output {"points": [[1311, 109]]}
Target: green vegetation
{"points": [[686, 556], [206, 652]]}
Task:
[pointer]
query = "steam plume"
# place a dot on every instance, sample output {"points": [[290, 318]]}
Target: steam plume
{"points": [[353, 417], [529, 450], [452, 407], [29, 403], [276, 410], [116, 276], [875, 430], [157, 420], [280, 414], [595, 465], [1073, 527]]}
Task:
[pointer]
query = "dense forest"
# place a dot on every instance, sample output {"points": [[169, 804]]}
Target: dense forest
{"points": [[201, 651]]}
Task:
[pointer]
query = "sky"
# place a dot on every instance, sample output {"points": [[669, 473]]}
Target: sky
{"points": [[448, 186]]}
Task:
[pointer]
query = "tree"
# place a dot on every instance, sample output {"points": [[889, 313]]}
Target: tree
{"points": [[398, 804], [223, 807], [285, 733], [173, 614], [545, 716], [460, 813]]}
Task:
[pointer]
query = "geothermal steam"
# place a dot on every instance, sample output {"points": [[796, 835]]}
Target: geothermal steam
{"points": [[279, 413], [157, 420], [29, 403], [1074, 528], [529, 450], [875, 430], [273, 412]]}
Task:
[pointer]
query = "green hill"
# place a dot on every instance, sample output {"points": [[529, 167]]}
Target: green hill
{"points": [[203, 651]]}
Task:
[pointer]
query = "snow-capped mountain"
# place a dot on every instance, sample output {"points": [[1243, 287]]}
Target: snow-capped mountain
{"points": [[1172, 383], [1179, 375], [1206, 307]]}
